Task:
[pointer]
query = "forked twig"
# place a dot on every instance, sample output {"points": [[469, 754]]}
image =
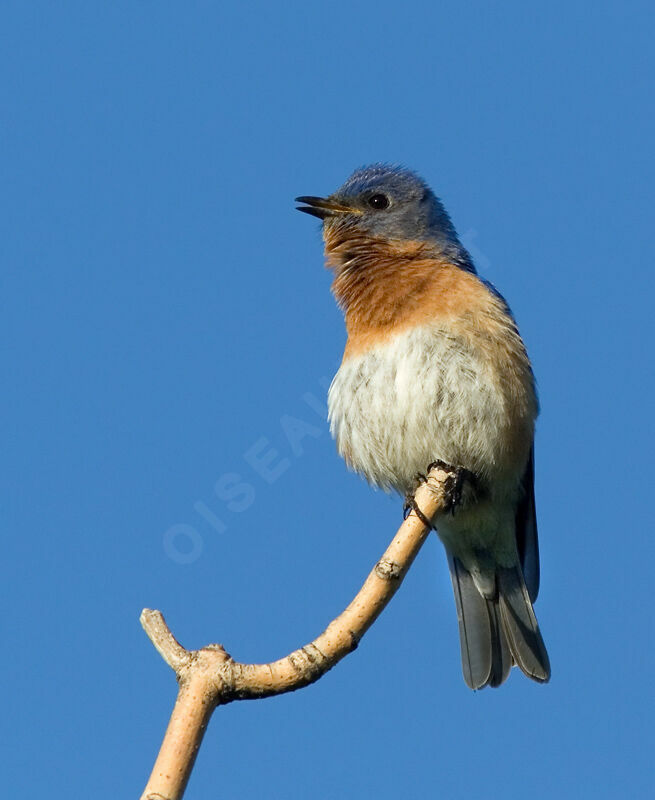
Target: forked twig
{"points": [[210, 677]]}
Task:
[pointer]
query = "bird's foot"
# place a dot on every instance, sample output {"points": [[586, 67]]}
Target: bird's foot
{"points": [[458, 487], [412, 505]]}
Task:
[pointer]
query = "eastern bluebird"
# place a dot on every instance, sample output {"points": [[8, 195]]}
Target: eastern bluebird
{"points": [[434, 369]]}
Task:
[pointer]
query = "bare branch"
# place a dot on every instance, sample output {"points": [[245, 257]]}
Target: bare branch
{"points": [[168, 647], [209, 677]]}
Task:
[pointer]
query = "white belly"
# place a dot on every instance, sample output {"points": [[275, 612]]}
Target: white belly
{"points": [[424, 395]]}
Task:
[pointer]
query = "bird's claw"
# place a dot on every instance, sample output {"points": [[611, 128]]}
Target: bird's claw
{"points": [[412, 505], [459, 479], [455, 484]]}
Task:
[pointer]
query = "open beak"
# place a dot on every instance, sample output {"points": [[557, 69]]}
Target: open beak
{"points": [[323, 207]]}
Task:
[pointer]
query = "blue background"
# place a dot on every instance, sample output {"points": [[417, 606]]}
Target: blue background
{"points": [[165, 311]]}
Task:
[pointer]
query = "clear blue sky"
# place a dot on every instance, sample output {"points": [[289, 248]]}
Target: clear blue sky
{"points": [[165, 311]]}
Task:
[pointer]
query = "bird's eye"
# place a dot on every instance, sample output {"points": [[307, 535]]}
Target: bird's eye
{"points": [[379, 202]]}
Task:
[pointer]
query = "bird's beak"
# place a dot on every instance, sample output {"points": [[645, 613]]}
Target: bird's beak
{"points": [[323, 207]]}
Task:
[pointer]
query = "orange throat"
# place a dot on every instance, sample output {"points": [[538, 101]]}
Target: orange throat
{"points": [[384, 287]]}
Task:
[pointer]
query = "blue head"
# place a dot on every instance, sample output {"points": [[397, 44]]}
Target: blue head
{"points": [[388, 203]]}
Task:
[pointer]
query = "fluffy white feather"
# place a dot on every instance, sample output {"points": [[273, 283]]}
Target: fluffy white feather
{"points": [[422, 395]]}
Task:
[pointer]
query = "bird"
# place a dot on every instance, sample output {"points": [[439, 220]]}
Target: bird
{"points": [[435, 370]]}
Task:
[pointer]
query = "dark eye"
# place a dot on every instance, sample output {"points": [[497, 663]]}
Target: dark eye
{"points": [[379, 202]]}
